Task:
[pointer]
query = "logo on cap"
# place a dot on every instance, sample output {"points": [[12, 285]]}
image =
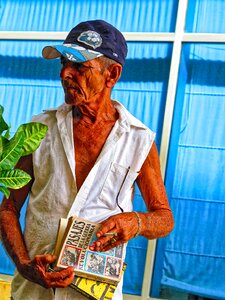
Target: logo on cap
{"points": [[90, 38]]}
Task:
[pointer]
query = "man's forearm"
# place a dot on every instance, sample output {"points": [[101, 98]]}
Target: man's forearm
{"points": [[35, 270], [12, 237], [158, 221], [156, 224]]}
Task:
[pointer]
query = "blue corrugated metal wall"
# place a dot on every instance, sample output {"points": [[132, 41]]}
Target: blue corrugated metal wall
{"points": [[192, 257]]}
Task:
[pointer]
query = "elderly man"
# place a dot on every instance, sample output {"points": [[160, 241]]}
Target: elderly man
{"points": [[87, 165]]}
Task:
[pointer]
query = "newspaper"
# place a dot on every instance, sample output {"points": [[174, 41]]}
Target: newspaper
{"points": [[92, 289], [72, 249]]}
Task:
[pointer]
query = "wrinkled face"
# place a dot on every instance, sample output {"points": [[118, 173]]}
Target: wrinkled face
{"points": [[82, 82]]}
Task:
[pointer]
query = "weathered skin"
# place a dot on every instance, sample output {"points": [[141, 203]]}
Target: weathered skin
{"points": [[87, 88]]}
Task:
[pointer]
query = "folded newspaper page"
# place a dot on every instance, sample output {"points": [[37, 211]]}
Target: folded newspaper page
{"points": [[72, 249]]}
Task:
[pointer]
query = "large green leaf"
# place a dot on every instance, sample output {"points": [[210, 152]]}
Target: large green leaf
{"points": [[14, 179], [3, 143], [5, 191], [7, 133], [12, 152], [34, 132], [3, 124]]}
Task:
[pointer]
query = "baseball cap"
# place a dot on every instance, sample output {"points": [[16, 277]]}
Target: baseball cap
{"points": [[89, 40]]}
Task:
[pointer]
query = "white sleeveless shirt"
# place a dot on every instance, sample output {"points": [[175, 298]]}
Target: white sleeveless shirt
{"points": [[109, 186]]}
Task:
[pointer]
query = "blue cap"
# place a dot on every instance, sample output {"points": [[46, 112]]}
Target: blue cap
{"points": [[89, 40]]}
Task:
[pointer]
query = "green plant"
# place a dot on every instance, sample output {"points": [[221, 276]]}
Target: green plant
{"points": [[24, 142]]}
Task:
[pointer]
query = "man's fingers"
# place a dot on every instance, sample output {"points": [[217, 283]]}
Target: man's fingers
{"points": [[111, 245], [45, 259], [61, 278], [107, 226], [62, 273]]}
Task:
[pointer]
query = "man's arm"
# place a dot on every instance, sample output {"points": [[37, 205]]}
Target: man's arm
{"points": [[155, 223], [34, 270], [158, 221]]}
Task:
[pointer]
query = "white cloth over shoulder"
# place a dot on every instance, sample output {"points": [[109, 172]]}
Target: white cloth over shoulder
{"points": [[110, 184]]}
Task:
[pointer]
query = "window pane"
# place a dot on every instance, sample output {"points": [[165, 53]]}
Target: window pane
{"points": [[57, 15], [195, 175], [205, 16]]}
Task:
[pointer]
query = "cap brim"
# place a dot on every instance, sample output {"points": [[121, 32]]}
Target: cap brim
{"points": [[72, 52]]}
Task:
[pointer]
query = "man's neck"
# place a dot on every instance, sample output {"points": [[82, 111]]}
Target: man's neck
{"points": [[95, 113]]}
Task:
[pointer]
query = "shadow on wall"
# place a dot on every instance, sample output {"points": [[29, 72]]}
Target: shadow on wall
{"points": [[135, 70]]}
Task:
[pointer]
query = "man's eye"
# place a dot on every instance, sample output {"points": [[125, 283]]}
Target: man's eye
{"points": [[66, 62], [78, 66]]}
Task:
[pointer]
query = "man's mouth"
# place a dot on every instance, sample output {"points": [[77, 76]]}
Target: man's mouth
{"points": [[71, 87]]}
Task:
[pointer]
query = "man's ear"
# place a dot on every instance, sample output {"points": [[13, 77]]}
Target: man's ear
{"points": [[114, 72]]}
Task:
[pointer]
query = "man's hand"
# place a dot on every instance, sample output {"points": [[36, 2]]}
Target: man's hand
{"points": [[123, 225], [37, 271]]}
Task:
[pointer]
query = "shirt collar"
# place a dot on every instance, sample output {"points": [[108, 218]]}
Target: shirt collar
{"points": [[126, 119]]}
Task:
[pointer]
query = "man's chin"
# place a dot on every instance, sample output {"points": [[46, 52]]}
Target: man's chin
{"points": [[75, 102]]}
